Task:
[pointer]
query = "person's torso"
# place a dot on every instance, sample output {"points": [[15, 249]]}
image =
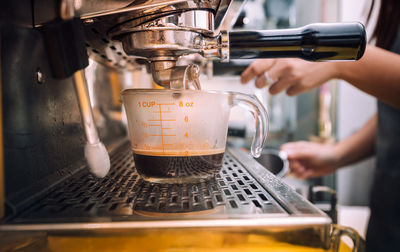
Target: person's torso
{"points": [[384, 226], [388, 135]]}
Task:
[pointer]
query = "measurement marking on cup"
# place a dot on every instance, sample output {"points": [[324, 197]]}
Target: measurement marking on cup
{"points": [[166, 111], [159, 148], [162, 135], [167, 104], [163, 120], [160, 121]]}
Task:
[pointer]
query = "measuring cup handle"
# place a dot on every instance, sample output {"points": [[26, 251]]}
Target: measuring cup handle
{"points": [[253, 104]]}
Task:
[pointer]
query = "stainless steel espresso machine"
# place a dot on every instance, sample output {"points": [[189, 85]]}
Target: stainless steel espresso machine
{"points": [[69, 178]]}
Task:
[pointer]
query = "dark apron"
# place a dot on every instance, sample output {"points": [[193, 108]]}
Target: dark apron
{"points": [[384, 226]]}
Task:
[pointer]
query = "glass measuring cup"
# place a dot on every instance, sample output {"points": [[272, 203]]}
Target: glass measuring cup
{"points": [[179, 136]]}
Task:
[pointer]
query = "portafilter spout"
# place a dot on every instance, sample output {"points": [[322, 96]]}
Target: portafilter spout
{"points": [[168, 75]]}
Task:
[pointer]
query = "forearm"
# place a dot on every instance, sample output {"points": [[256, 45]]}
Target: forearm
{"points": [[358, 146], [376, 73]]}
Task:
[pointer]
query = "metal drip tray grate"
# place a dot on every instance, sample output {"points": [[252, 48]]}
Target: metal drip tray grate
{"points": [[243, 197], [124, 193]]}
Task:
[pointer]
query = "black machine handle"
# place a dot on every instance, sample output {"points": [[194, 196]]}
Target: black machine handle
{"points": [[314, 42], [332, 211]]}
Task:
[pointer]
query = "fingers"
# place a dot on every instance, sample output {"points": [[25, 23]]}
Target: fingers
{"points": [[297, 150], [314, 74], [281, 85], [296, 89], [261, 81], [293, 75], [285, 72], [309, 160], [257, 68], [299, 157], [296, 168], [251, 71], [303, 85], [300, 170]]}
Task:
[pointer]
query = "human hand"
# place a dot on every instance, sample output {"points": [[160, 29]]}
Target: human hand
{"points": [[308, 160], [293, 75]]}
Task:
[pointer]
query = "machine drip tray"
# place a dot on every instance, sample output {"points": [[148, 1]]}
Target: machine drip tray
{"points": [[243, 194], [124, 193]]}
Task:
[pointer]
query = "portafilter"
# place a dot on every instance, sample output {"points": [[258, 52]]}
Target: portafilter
{"points": [[162, 31]]}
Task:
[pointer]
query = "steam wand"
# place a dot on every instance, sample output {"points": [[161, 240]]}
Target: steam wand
{"points": [[65, 43], [95, 152]]}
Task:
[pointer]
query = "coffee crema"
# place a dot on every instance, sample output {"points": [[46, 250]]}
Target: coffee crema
{"points": [[178, 166]]}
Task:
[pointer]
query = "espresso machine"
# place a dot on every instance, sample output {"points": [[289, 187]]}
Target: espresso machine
{"points": [[68, 174]]}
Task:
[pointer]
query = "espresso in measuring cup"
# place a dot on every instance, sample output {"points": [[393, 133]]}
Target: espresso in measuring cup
{"points": [[178, 166], [182, 138]]}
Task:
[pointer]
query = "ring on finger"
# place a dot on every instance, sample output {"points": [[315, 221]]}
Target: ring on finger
{"points": [[270, 81]]}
